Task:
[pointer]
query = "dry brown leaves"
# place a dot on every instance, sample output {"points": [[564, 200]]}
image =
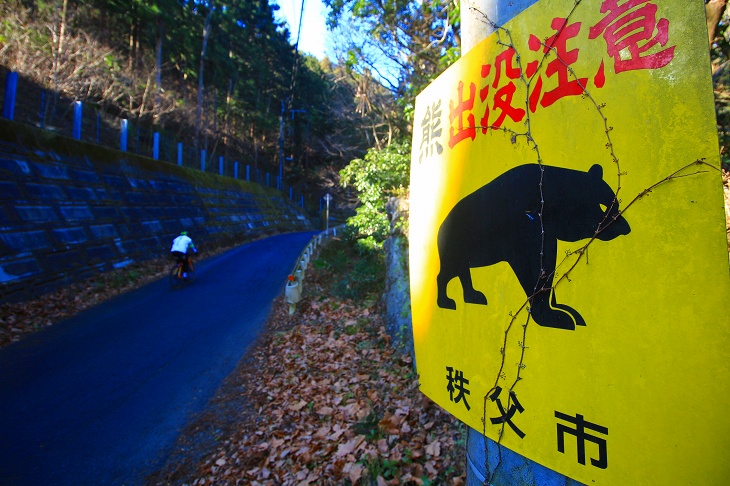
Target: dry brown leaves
{"points": [[21, 319], [18, 320], [334, 404], [322, 399]]}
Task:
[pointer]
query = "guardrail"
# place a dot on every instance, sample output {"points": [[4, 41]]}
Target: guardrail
{"points": [[293, 289], [25, 102]]}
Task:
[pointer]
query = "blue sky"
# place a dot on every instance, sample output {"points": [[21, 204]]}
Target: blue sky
{"points": [[314, 36]]}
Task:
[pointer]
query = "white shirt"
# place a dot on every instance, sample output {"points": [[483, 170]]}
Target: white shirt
{"points": [[181, 244]]}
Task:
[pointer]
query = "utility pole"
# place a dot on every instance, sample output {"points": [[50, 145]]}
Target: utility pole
{"points": [[475, 25], [478, 21]]}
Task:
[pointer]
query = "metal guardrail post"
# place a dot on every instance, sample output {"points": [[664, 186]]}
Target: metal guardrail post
{"points": [[78, 118], [156, 146], [293, 290], [11, 89], [123, 135]]}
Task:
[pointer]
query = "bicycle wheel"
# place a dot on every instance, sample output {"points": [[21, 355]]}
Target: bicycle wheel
{"points": [[175, 277]]}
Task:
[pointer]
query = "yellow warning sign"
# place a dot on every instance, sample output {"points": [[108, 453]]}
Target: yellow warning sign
{"points": [[569, 264]]}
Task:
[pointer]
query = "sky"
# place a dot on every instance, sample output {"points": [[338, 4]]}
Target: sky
{"points": [[314, 35]]}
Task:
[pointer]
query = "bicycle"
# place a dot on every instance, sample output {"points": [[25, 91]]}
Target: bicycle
{"points": [[178, 277]]}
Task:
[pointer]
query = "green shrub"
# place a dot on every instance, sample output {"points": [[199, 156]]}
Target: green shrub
{"points": [[354, 273], [381, 174]]}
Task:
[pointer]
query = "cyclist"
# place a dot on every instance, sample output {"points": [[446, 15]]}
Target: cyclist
{"points": [[180, 248]]}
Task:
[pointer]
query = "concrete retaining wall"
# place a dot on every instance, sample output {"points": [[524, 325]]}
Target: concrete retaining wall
{"points": [[69, 210]]}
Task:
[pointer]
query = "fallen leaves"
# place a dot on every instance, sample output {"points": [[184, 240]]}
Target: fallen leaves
{"points": [[329, 402], [20, 319]]}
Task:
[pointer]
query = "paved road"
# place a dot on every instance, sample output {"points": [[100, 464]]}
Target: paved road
{"points": [[101, 398]]}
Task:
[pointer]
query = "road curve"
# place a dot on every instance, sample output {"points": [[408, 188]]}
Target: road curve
{"points": [[100, 399]]}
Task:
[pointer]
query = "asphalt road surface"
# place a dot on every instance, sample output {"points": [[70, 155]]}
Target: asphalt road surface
{"points": [[101, 398]]}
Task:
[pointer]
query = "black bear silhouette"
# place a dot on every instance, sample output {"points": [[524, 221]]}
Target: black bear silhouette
{"points": [[501, 222]]}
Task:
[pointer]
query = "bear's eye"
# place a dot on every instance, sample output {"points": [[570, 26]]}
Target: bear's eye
{"points": [[604, 208]]}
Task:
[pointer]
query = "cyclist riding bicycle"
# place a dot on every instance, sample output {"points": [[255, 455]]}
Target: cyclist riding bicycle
{"points": [[180, 248]]}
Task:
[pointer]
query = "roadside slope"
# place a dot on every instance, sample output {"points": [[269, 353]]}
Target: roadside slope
{"points": [[321, 399]]}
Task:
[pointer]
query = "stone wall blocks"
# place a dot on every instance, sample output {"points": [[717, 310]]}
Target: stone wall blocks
{"points": [[129, 246], [45, 192], [76, 213], [157, 185], [124, 230], [59, 261], [102, 231], [84, 176], [133, 213], [172, 226], [117, 181], [78, 161], [52, 171], [101, 253], [111, 195], [105, 212], [134, 229], [123, 263], [135, 198], [150, 243], [36, 214], [152, 227], [25, 240], [9, 191], [138, 183], [63, 218], [5, 217], [52, 155], [156, 212], [70, 236], [81, 193], [15, 167]]}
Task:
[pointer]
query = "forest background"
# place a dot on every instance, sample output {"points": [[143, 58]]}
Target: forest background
{"points": [[223, 73], [217, 74]]}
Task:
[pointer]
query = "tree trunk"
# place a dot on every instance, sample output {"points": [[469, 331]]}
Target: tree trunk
{"points": [[158, 68], [62, 30], [199, 111], [226, 119], [133, 38]]}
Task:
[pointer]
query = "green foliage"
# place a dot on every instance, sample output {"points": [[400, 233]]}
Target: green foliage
{"points": [[415, 39], [377, 176], [380, 466], [354, 274], [369, 427], [248, 67]]}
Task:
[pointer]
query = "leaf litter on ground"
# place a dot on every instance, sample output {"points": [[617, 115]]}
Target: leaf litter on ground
{"points": [[322, 398]]}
